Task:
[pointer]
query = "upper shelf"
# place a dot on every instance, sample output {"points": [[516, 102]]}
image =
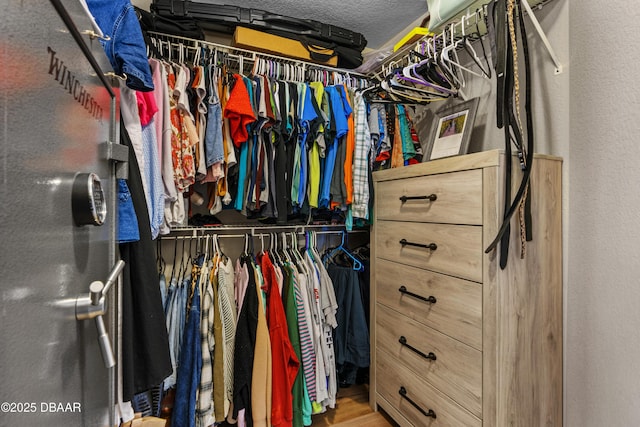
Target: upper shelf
{"points": [[469, 21]]}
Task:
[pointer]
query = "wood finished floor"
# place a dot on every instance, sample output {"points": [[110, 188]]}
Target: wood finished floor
{"points": [[352, 410]]}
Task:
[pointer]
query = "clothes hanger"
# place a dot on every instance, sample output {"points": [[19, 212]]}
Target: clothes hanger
{"points": [[203, 280], [468, 46], [219, 250], [409, 75], [261, 244], [445, 61], [275, 255], [272, 249], [214, 246], [424, 73], [190, 258], [376, 94], [245, 253], [252, 253], [430, 69], [160, 263], [292, 250], [195, 279], [409, 94], [296, 252], [313, 249], [285, 249], [357, 264], [182, 269], [175, 256]]}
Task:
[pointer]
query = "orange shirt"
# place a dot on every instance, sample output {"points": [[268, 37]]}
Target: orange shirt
{"points": [[397, 157], [351, 146]]}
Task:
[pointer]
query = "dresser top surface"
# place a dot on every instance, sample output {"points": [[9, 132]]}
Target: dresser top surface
{"points": [[479, 160]]}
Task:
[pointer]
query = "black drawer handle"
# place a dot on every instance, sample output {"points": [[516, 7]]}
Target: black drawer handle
{"points": [[430, 413], [430, 356], [430, 299], [430, 197], [431, 246]]}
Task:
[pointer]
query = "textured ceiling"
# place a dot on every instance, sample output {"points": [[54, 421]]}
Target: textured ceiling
{"points": [[379, 20]]}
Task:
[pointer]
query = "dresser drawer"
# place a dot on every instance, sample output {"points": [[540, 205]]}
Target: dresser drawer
{"points": [[458, 248], [457, 310], [458, 198], [450, 366], [399, 386]]}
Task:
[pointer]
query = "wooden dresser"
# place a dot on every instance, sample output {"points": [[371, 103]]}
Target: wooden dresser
{"points": [[457, 341]]}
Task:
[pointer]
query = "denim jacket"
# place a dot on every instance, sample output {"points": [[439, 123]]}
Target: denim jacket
{"points": [[126, 48]]}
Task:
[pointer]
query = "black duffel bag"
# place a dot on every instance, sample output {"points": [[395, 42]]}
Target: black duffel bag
{"points": [[184, 27], [225, 18]]}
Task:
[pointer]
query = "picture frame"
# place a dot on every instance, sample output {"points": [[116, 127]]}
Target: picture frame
{"points": [[451, 130]]}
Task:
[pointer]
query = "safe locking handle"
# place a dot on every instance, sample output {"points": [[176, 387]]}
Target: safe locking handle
{"points": [[113, 276], [94, 306]]}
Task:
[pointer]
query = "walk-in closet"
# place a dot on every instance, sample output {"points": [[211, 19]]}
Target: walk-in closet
{"points": [[339, 213]]}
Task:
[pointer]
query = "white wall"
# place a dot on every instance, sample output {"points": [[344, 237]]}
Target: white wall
{"points": [[603, 318]]}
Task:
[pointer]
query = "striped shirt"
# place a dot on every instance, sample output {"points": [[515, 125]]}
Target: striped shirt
{"points": [[228, 314], [204, 410], [306, 340]]}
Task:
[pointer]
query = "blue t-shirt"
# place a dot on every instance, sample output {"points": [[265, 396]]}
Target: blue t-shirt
{"points": [[337, 99], [308, 114]]}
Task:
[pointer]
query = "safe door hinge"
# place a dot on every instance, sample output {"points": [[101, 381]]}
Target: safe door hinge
{"points": [[119, 154]]}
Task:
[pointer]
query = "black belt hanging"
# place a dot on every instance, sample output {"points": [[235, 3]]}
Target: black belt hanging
{"points": [[504, 65], [498, 34]]}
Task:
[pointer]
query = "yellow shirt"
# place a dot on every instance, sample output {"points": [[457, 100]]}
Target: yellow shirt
{"points": [[314, 153]]}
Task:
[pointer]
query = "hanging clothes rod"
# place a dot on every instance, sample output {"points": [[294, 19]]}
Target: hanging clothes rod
{"points": [[225, 229], [259, 235], [250, 55]]}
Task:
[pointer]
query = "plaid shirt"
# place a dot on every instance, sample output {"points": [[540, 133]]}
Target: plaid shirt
{"points": [[360, 207]]}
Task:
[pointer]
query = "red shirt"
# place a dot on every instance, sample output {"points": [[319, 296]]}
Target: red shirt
{"points": [[284, 361]]}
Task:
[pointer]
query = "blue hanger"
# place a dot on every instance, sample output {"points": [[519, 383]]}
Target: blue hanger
{"points": [[357, 264]]}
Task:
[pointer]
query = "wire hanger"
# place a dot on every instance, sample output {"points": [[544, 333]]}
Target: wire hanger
{"points": [[160, 262]]}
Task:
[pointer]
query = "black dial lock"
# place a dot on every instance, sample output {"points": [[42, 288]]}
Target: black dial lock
{"points": [[87, 200]]}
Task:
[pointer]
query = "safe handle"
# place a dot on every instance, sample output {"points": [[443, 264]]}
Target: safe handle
{"points": [[113, 276], [94, 306]]}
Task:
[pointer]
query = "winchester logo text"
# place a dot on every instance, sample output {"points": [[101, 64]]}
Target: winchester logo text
{"points": [[68, 80]]}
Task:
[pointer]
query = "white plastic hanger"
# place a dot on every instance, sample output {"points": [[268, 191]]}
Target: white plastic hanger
{"points": [[463, 41]]}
